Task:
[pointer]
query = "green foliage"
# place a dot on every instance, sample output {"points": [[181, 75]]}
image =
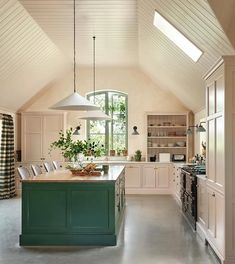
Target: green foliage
{"points": [[71, 148], [138, 155]]}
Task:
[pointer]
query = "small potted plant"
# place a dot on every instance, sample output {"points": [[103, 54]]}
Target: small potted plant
{"points": [[112, 152], [118, 152], [138, 155], [124, 152]]}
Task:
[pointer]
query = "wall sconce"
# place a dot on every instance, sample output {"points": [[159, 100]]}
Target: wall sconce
{"points": [[135, 132], [199, 129], [76, 131]]}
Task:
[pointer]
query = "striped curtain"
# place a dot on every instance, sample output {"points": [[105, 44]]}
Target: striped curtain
{"points": [[7, 166]]}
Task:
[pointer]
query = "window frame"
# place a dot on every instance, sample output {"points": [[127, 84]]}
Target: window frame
{"points": [[108, 133]]}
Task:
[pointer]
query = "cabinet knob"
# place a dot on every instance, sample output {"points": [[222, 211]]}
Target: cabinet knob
{"points": [[174, 180], [213, 194]]}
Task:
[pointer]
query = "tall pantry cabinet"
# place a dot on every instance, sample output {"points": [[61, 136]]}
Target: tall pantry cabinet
{"points": [[220, 185], [39, 130]]}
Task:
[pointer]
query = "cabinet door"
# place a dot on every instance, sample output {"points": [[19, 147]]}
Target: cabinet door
{"points": [[52, 125], [178, 182], [211, 151], [201, 202], [219, 220], [220, 93], [174, 173], [219, 154], [215, 221], [32, 138], [211, 98], [133, 176], [211, 220], [149, 177], [162, 177]]}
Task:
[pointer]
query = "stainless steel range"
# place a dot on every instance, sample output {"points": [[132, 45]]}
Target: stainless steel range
{"points": [[188, 192]]}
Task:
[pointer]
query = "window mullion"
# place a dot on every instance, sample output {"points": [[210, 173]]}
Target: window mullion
{"points": [[106, 124]]}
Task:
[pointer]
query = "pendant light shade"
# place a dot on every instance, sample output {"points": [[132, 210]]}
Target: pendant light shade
{"points": [[74, 102], [97, 114]]}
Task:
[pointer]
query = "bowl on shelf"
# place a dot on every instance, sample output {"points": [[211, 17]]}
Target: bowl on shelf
{"points": [[162, 145], [155, 145], [171, 145], [181, 143]]}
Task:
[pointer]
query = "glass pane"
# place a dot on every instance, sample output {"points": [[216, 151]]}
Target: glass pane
{"points": [[97, 127], [119, 127], [119, 142], [98, 138], [115, 105], [99, 100]]}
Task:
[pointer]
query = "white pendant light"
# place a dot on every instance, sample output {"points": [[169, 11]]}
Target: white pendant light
{"points": [[97, 114], [74, 102]]}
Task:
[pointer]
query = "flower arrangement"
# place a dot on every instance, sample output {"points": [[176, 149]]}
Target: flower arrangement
{"points": [[71, 149]]}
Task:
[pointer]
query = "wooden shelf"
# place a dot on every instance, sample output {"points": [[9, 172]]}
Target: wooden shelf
{"points": [[170, 137], [167, 147]]}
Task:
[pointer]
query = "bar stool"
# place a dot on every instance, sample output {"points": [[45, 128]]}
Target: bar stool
{"points": [[36, 169], [48, 166], [23, 173], [56, 165]]}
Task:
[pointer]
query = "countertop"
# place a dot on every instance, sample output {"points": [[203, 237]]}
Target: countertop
{"points": [[66, 176], [115, 162]]}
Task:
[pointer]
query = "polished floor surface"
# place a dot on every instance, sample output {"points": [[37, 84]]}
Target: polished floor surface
{"points": [[154, 232]]}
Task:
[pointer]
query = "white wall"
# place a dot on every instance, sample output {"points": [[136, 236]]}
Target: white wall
{"points": [[143, 96], [198, 137]]}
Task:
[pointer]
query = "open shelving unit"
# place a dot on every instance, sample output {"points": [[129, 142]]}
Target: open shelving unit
{"points": [[166, 133]]}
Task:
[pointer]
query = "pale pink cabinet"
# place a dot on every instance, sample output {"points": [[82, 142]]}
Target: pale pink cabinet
{"points": [[220, 185], [202, 203], [133, 176], [156, 177], [215, 219], [39, 130]]}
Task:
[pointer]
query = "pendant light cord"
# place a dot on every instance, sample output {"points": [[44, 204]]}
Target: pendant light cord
{"points": [[74, 46], [94, 67]]}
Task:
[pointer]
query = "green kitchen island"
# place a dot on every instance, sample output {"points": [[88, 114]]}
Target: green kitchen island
{"points": [[61, 209]]}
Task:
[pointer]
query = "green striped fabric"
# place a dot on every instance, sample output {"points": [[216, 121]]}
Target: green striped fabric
{"points": [[7, 166]]}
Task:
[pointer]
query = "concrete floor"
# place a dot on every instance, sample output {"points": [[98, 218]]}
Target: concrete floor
{"points": [[154, 233]]}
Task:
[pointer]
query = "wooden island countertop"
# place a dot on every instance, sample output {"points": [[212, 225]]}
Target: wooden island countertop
{"points": [[66, 176]]}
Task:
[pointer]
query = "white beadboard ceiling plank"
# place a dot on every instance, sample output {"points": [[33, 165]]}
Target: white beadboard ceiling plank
{"points": [[31, 41], [108, 20], [29, 59]]}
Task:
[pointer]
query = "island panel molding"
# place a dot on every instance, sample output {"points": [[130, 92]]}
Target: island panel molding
{"points": [[73, 212]]}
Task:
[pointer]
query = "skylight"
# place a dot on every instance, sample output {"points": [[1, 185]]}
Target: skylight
{"points": [[177, 37]]}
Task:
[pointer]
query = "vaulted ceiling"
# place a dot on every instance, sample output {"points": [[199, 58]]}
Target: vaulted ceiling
{"points": [[36, 42]]}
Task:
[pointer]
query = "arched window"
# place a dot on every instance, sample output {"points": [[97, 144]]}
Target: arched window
{"points": [[113, 134]]}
